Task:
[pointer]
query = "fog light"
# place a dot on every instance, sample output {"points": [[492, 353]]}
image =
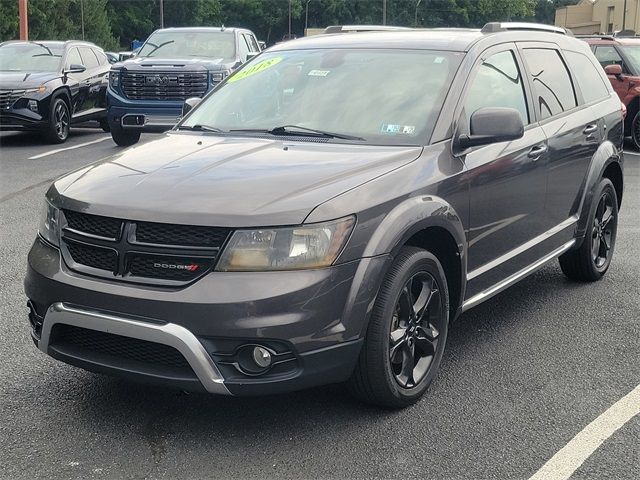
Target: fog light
{"points": [[33, 105], [261, 356]]}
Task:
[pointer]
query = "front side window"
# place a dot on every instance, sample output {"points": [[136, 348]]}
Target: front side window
{"points": [[172, 44], [73, 58], [632, 53], [607, 55], [30, 57], [552, 87], [589, 80], [385, 96], [497, 83]]}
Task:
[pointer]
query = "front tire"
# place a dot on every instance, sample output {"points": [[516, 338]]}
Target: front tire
{"points": [[124, 138], [104, 125], [57, 130], [591, 261], [407, 332]]}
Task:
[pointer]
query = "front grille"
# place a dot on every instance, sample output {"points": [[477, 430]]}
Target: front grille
{"points": [[9, 97], [167, 234], [140, 252], [94, 224], [118, 347], [164, 85], [92, 256], [168, 268]]}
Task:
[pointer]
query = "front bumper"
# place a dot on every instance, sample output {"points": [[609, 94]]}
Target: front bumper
{"points": [[20, 119], [142, 115], [313, 320]]}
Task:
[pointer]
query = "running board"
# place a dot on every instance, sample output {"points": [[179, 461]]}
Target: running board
{"points": [[509, 281]]}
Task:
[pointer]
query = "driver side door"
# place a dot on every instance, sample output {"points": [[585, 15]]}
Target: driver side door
{"points": [[506, 180], [76, 81]]}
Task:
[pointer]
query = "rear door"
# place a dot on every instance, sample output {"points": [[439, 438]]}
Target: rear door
{"points": [[507, 180], [93, 77], [573, 132]]}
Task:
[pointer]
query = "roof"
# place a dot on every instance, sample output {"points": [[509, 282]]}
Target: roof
{"points": [[201, 29], [608, 39], [52, 43], [443, 39]]}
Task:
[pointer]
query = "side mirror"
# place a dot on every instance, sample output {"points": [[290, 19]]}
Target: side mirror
{"points": [[614, 70], [122, 56], [75, 68], [189, 104], [492, 125], [251, 55], [262, 44]]}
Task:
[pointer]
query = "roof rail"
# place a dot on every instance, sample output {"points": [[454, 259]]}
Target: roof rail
{"points": [[494, 27], [601, 37]]}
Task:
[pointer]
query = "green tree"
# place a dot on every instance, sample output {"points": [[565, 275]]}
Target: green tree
{"points": [[8, 19]]}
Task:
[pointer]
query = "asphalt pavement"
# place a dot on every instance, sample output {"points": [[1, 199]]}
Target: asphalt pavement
{"points": [[522, 375]]}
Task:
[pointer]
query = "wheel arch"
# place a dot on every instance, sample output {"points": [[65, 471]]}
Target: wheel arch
{"points": [[607, 162], [633, 107], [66, 94], [430, 223]]}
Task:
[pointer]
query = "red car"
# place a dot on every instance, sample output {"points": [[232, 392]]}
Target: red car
{"points": [[620, 57]]}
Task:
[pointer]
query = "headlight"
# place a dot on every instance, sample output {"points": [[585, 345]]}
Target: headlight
{"points": [[49, 224], [114, 79], [217, 77], [40, 89], [292, 248]]}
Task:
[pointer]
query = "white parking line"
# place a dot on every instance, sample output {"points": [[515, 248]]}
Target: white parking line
{"points": [[562, 465], [53, 152]]}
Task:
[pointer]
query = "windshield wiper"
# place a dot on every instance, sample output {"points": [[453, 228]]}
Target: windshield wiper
{"points": [[200, 128], [43, 46], [299, 131], [158, 47]]}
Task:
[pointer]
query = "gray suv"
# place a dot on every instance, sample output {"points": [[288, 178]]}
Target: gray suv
{"points": [[330, 209]]}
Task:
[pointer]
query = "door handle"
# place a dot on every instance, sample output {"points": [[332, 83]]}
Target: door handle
{"points": [[535, 152], [590, 129]]}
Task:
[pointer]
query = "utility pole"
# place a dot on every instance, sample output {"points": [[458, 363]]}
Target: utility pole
{"points": [[82, 16], [161, 13], [384, 12], [624, 15], [289, 37], [306, 17], [415, 17], [24, 19]]}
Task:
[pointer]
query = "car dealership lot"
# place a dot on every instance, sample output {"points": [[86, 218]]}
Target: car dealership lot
{"points": [[522, 375]]}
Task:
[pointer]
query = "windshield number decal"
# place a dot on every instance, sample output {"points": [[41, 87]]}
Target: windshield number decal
{"points": [[253, 69]]}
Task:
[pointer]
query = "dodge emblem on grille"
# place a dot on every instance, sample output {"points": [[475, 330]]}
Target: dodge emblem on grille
{"points": [[176, 266]]}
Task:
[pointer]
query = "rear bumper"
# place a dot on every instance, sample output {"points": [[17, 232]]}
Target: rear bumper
{"points": [[312, 321]]}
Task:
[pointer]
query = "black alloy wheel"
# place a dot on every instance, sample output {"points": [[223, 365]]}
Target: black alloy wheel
{"points": [[415, 329], [603, 231], [407, 332], [591, 260], [59, 121]]}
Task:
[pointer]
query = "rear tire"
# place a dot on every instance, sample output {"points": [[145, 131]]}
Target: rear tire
{"points": [[635, 131], [124, 138], [591, 261], [57, 130], [406, 334]]}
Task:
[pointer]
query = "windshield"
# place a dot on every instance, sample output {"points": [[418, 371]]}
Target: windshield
{"points": [[189, 44], [380, 96], [30, 57], [633, 56]]}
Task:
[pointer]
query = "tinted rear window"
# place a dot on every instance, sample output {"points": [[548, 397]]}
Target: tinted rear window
{"points": [[553, 90], [587, 76]]}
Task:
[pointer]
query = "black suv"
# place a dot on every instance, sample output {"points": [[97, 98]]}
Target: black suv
{"points": [[47, 86], [332, 228], [146, 93]]}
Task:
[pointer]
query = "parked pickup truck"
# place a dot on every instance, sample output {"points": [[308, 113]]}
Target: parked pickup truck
{"points": [[146, 93]]}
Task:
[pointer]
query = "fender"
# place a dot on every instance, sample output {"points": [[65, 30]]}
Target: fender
{"points": [[399, 225], [606, 154]]}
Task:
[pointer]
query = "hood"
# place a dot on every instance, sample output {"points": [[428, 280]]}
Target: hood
{"points": [[230, 182], [24, 80], [150, 63]]}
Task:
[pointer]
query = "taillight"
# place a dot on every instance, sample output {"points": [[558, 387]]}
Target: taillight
{"points": [[623, 108]]}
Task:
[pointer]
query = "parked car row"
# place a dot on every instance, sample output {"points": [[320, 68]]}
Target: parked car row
{"points": [[66, 82]]}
